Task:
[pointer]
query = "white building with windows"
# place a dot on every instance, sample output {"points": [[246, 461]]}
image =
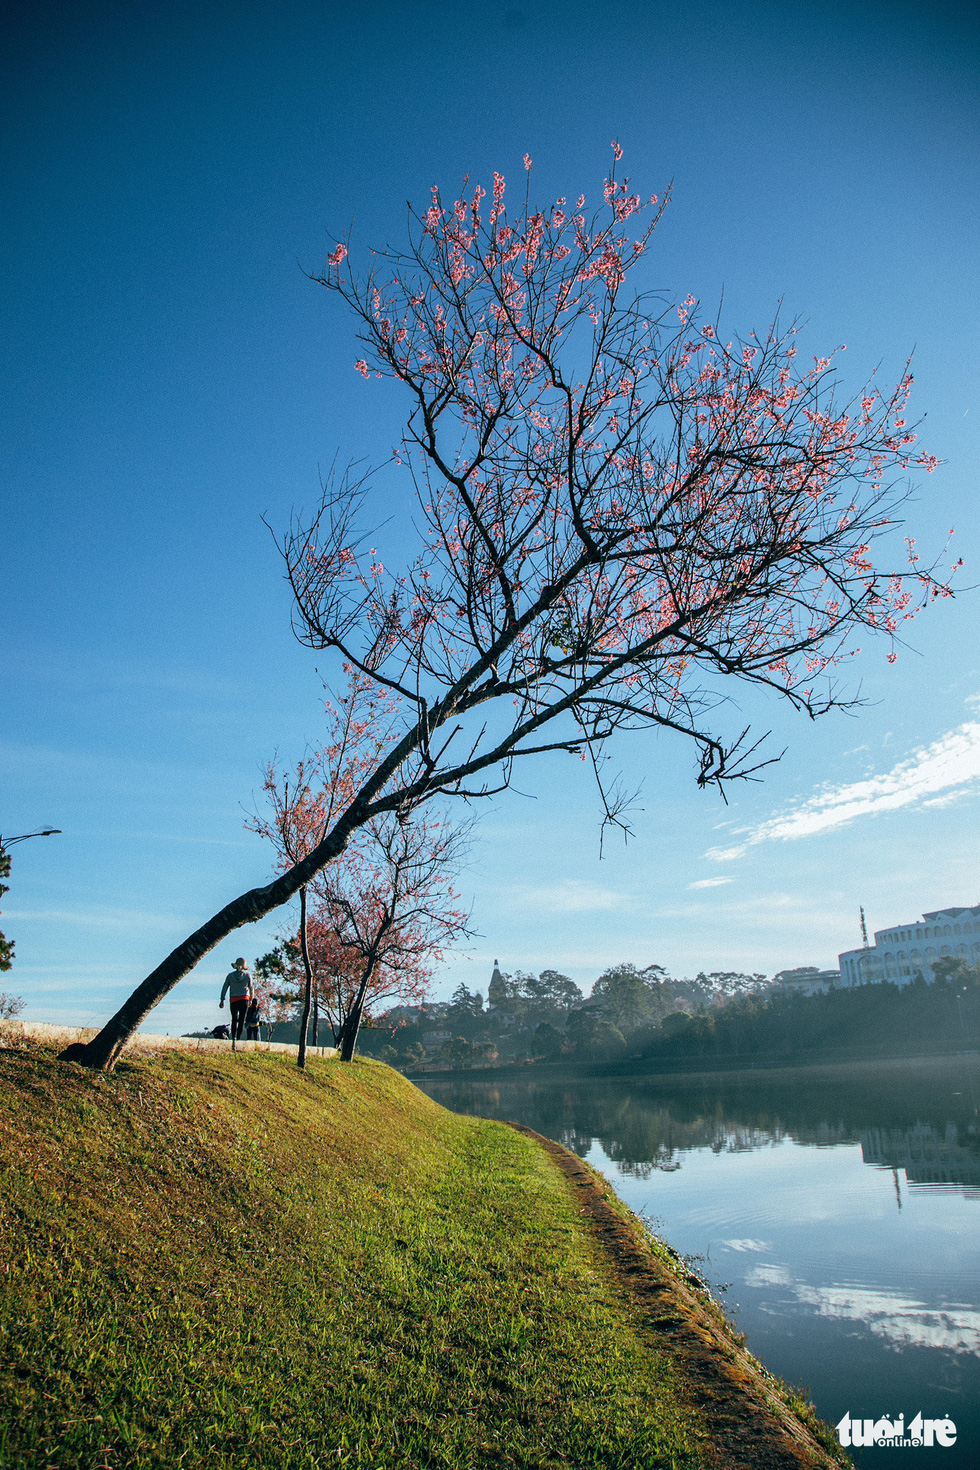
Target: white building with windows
{"points": [[806, 980], [900, 952]]}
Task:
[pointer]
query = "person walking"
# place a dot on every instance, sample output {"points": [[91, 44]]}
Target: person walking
{"points": [[238, 988]]}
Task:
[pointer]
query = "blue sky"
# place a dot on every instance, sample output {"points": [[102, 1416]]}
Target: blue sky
{"points": [[172, 376]]}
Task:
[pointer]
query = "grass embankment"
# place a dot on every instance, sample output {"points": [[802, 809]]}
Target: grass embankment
{"points": [[216, 1261], [213, 1261]]}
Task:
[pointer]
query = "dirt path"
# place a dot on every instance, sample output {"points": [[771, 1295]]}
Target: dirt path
{"points": [[751, 1427]]}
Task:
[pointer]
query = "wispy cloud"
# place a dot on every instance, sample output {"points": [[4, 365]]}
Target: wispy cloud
{"points": [[710, 882], [770, 1275], [570, 897], [951, 762], [101, 918]]}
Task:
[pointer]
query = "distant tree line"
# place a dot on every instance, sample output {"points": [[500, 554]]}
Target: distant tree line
{"points": [[645, 1015], [875, 1018], [546, 1017]]}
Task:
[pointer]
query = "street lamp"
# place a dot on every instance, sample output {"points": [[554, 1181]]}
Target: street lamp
{"points": [[45, 832]]}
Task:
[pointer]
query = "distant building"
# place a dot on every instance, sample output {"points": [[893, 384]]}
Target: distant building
{"points": [[497, 989], [425, 1015], [806, 980], [497, 997], [898, 954], [407, 1015]]}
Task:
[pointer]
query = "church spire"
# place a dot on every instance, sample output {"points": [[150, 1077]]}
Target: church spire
{"points": [[497, 990]]}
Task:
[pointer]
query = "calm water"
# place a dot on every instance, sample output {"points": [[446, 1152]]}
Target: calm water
{"points": [[845, 1216]]}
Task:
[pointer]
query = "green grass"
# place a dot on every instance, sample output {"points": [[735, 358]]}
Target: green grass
{"points": [[215, 1261]]}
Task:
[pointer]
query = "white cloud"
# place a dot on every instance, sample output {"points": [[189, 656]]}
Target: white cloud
{"points": [[746, 1245], [901, 1322], [950, 799], [952, 761], [710, 882]]}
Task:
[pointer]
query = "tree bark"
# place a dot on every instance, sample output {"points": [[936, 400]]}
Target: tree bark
{"points": [[352, 1025], [308, 972], [103, 1051]]}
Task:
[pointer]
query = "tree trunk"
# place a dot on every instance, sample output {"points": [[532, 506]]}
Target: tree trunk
{"points": [[352, 1025], [348, 1041], [103, 1050], [308, 971]]}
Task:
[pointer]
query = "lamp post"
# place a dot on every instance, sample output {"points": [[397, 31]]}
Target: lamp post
{"points": [[11, 1004], [44, 832]]}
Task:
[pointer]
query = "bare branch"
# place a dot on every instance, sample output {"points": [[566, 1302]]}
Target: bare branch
{"points": [[618, 510]]}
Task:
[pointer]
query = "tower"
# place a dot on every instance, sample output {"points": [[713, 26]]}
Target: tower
{"points": [[497, 990]]}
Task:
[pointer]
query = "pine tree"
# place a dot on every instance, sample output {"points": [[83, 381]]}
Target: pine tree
{"points": [[6, 945]]}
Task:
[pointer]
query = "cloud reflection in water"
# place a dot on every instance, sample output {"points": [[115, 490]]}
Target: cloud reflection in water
{"points": [[900, 1322]]}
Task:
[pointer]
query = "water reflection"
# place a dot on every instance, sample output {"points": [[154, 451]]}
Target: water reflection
{"points": [[923, 1125], [901, 1322], [930, 1155], [841, 1205]]}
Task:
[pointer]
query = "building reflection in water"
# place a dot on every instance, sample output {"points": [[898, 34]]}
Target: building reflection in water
{"points": [[928, 1155], [925, 1124]]}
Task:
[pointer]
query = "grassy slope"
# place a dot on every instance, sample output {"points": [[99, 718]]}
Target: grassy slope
{"points": [[213, 1261]]}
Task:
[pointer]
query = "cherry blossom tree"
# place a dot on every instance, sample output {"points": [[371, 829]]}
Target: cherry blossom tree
{"points": [[622, 508], [378, 920], [302, 808], [383, 915], [297, 824], [371, 925]]}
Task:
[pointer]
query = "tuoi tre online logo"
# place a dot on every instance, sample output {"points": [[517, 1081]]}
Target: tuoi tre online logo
{"points": [[893, 1433]]}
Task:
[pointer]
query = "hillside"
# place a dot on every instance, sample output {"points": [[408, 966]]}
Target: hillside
{"points": [[217, 1261]]}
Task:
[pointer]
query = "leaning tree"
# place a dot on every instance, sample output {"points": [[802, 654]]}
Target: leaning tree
{"points": [[375, 921], [303, 805], [619, 509]]}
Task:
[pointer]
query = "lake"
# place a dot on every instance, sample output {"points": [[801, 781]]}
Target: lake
{"points": [[840, 1207]]}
